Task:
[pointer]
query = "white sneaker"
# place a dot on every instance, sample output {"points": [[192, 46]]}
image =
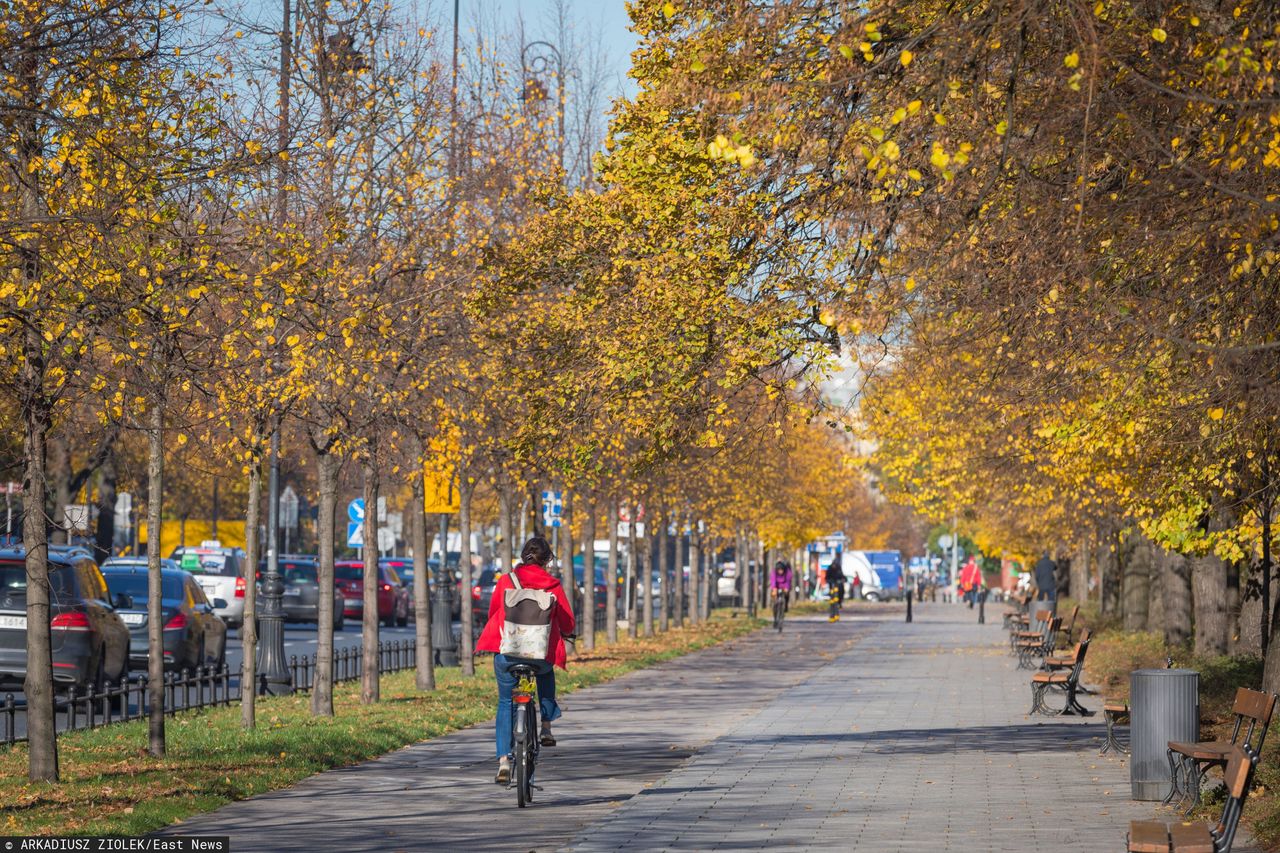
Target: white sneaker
{"points": [[504, 771]]}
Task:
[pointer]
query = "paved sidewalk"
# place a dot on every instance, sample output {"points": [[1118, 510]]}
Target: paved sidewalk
{"points": [[869, 735]]}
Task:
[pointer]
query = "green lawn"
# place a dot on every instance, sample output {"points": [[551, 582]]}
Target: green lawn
{"points": [[111, 786]]}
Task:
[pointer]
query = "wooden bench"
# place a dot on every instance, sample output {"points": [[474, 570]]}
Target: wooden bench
{"points": [[1018, 611], [1034, 632], [1188, 762], [1115, 712], [1149, 836], [1068, 632], [1041, 646], [1065, 684]]}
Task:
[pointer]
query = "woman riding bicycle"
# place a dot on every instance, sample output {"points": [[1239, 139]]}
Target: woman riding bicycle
{"points": [[532, 574], [780, 581]]}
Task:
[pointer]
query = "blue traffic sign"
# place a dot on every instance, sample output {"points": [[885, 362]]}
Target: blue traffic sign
{"points": [[552, 508], [355, 510], [355, 534]]}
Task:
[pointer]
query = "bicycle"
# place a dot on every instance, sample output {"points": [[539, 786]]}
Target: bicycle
{"points": [[524, 723], [525, 730], [779, 610]]}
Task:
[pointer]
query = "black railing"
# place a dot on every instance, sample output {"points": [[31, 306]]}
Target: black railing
{"points": [[348, 663], [204, 687]]}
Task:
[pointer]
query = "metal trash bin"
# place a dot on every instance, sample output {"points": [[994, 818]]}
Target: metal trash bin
{"points": [[1164, 705]]}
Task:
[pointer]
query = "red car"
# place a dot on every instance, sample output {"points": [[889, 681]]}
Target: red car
{"points": [[393, 597]]}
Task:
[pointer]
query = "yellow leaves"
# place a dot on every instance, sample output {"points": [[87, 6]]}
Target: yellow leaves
{"points": [[939, 157], [1002, 127], [905, 58], [846, 51], [1159, 35], [1215, 414], [697, 66], [668, 10], [1071, 60]]}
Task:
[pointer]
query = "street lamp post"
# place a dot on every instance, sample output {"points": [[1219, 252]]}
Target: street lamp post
{"points": [[271, 662], [538, 58], [442, 605]]}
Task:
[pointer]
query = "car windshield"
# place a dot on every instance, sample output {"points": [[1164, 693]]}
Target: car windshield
{"points": [[297, 574], [349, 572], [134, 585], [13, 580], [406, 573]]}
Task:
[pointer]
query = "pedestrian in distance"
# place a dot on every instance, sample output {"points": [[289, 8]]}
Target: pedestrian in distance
{"points": [[970, 581], [1046, 580], [530, 574], [835, 588]]}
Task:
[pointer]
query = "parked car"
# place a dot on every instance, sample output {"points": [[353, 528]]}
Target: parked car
{"points": [[90, 641], [220, 573], [601, 583], [393, 596], [300, 601], [194, 635], [482, 594], [727, 583]]}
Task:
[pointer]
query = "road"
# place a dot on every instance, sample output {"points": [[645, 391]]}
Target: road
{"points": [[299, 641]]}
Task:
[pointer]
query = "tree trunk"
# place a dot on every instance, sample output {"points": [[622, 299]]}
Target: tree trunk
{"points": [[1265, 631], [1175, 572], [249, 628], [587, 629], [105, 535], [1078, 586], [611, 577], [506, 551], [370, 686], [59, 468], [42, 740], [646, 584], [322, 684], [748, 555], [425, 672], [1209, 584], [695, 574], [155, 605], [1136, 561], [664, 571], [677, 576], [1233, 606], [566, 546], [633, 564], [468, 644]]}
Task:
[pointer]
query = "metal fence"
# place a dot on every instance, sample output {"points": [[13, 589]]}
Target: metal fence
{"points": [[188, 690]]}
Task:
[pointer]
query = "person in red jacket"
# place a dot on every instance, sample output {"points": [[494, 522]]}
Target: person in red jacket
{"points": [[532, 572]]}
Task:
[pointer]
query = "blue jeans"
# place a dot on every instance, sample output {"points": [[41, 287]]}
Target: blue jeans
{"points": [[547, 706]]}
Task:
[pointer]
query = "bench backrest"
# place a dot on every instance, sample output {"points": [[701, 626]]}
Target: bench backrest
{"points": [[1082, 649], [1071, 623], [1238, 778], [1051, 633], [1258, 708]]}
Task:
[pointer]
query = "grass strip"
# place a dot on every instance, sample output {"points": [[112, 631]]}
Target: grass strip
{"points": [[111, 786]]}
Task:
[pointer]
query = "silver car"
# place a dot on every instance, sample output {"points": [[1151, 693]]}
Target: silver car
{"points": [[220, 573]]}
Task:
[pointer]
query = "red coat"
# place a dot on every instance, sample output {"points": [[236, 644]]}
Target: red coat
{"points": [[533, 577]]}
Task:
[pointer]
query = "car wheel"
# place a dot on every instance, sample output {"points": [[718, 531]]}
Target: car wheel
{"points": [[871, 596]]}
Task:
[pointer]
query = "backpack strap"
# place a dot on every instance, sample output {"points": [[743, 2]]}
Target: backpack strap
{"points": [[515, 580]]}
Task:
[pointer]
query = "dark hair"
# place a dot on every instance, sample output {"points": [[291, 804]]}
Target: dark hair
{"points": [[537, 550], [781, 564]]}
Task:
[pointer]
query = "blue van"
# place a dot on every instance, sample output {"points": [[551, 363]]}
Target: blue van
{"points": [[887, 566]]}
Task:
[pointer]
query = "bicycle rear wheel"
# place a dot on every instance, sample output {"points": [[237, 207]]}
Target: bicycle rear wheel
{"points": [[779, 612], [522, 769]]}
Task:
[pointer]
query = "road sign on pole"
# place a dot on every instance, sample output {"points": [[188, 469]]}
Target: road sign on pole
{"points": [[288, 508], [355, 510], [552, 508], [355, 534], [386, 540]]}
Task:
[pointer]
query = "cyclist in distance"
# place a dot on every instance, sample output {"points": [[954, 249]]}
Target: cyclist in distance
{"points": [[532, 573], [835, 588], [781, 580]]}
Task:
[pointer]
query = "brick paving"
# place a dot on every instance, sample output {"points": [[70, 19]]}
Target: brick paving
{"points": [[870, 734]]}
